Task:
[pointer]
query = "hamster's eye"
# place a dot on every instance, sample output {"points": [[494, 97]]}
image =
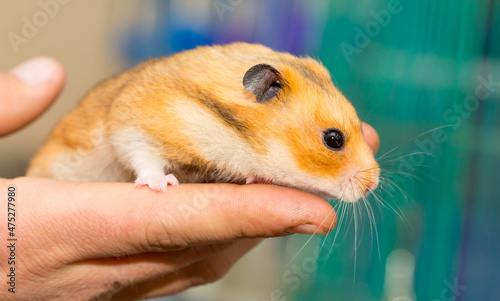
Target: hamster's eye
{"points": [[334, 139]]}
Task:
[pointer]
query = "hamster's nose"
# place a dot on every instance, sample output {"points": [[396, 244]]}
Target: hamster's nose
{"points": [[370, 136]]}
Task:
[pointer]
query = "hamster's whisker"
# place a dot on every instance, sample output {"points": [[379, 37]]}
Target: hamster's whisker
{"points": [[364, 185], [393, 170], [393, 184], [337, 220], [412, 139], [393, 157], [369, 169], [398, 211], [412, 177], [337, 229], [355, 217], [394, 167], [341, 224], [340, 210], [382, 162], [384, 186], [373, 224], [388, 186], [427, 174], [353, 212], [311, 237]]}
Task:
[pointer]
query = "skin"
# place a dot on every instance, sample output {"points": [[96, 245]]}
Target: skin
{"points": [[118, 242]]}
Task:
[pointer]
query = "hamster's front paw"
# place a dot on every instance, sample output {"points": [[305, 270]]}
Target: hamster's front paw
{"points": [[257, 180], [157, 182]]}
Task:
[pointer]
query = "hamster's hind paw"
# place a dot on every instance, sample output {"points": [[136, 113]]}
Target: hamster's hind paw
{"points": [[157, 182]]}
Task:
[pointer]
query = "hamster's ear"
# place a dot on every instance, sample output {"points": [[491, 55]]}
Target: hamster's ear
{"points": [[264, 81]]}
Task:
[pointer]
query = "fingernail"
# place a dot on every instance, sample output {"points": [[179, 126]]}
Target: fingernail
{"points": [[34, 71], [305, 229]]}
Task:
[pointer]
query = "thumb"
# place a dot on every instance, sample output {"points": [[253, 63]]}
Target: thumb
{"points": [[371, 137], [28, 90]]}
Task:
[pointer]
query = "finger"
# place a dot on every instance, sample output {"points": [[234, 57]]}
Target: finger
{"points": [[115, 219], [28, 90], [371, 137], [193, 214], [111, 275], [202, 272]]}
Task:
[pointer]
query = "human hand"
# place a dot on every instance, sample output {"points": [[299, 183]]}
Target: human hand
{"points": [[114, 241]]}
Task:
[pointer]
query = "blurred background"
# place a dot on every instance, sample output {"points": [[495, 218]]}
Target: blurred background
{"points": [[425, 74]]}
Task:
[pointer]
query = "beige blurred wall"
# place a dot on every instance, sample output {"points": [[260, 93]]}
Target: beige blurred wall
{"points": [[82, 35]]}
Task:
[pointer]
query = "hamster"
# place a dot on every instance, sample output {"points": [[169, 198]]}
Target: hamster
{"points": [[239, 113]]}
